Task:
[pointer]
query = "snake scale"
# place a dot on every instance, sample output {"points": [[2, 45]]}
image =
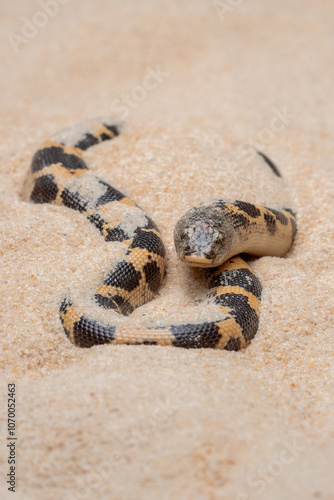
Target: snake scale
{"points": [[210, 235]]}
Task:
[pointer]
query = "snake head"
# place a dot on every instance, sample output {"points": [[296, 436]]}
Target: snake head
{"points": [[202, 237]]}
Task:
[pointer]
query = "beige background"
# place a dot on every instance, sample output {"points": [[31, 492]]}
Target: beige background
{"points": [[121, 422]]}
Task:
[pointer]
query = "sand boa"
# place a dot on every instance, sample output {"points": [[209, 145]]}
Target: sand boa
{"points": [[210, 235]]}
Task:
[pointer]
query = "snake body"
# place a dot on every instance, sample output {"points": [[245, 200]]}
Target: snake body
{"points": [[210, 235]]}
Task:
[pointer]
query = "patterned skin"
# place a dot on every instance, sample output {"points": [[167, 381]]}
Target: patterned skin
{"points": [[210, 235]]}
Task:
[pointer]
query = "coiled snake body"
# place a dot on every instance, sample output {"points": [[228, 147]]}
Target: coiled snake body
{"points": [[210, 235]]}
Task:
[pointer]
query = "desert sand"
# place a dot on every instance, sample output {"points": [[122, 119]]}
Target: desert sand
{"points": [[197, 86]]}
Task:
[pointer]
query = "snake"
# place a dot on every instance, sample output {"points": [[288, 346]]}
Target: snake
{"points": [[214, 236]]}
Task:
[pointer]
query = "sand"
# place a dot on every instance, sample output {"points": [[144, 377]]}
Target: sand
{"points": [[197, 85]]}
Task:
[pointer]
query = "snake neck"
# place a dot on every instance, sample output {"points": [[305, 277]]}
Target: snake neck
{"points": [[211, 233]]}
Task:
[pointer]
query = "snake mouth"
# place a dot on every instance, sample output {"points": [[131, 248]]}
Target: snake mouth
{"points": [[197, 260]]}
